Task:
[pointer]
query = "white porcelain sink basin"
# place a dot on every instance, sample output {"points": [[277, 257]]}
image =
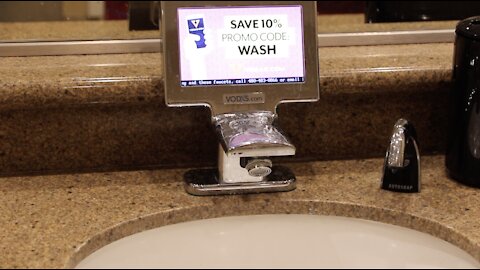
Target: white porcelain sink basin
{"points": [[280, 241]]}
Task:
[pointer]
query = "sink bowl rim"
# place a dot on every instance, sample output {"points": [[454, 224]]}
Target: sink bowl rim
{"points": [[185, 214]]}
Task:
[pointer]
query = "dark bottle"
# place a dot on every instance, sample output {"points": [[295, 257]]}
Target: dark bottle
{"points": [[463, 149]]}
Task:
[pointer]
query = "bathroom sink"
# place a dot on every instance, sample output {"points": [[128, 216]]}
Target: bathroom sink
{"points": [[280, 241]]}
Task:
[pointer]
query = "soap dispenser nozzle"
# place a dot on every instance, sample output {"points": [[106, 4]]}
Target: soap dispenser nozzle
{"points": [[401, 170]]}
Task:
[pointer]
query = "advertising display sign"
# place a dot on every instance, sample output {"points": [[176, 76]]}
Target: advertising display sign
{"points": [[237, 56], [242, 45]]}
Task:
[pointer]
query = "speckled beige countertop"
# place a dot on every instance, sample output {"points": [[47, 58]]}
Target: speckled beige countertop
{"points": [[107, 112], [55, 221], [118, 29], [138, 78], [70, 30], [53, 120]]}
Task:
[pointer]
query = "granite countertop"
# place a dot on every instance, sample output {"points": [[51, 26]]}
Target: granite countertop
{"points": [[118, 29], [55, 221], [70, 30], [97, 112], [137, 78]]}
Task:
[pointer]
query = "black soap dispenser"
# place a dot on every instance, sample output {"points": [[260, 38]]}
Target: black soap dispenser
{"points": [[463, 149], [401, 169]]}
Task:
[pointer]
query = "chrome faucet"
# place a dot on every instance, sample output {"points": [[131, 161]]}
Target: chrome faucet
{"points": [[247, 140]]}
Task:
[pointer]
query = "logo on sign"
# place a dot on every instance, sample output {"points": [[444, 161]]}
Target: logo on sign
{"points": [[196, 27], [247, 98]]}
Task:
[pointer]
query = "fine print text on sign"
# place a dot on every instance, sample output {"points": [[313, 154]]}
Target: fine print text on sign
{"points": [[241, 45]]}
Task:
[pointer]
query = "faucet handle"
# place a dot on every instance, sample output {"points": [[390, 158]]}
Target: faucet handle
{"points": [[401, 170]]}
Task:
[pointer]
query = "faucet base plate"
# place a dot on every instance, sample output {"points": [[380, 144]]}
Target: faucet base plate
{"points": [[204, 182]]}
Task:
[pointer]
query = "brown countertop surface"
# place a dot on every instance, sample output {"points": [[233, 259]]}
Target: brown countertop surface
{"points": [[55, 221], [27, 82], [118, 29], [71, 30]]}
